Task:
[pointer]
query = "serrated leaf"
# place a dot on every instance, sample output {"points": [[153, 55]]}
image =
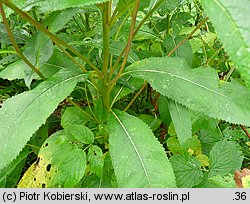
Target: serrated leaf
{"points": [[54, 170], [8, 169], [48, 5], [187, 171], [96, 160], [225, 157], [208, 138], [222, 181], [138, 158], [81, 133], [195, 88], [23, 114], [230, 21], [71, 168], [181, 120]]}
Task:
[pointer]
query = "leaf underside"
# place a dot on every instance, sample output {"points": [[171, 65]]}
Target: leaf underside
{"points": [[197, 89], [138, 158], [23, 114]]}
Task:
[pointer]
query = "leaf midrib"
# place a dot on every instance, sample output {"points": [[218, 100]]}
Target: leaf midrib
{"points": [[134, 146], [180, 77], [232, 22], [42, 93]]}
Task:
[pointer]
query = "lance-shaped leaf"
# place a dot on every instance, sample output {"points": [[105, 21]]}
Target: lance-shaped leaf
{"points": [[181, 120], [197, 89], [23, 114], [48, 5], [138, 158], [230, 20]]}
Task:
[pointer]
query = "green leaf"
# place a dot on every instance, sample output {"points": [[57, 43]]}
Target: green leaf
{"points": [[81, 133], [39, 50], [152, 121], [124, 87], [108, 178], [185, 51], [73, 116], [71, 167], [11, 167], [117, 47], [96, 160], [187, 171], [209, 137], [230, 21], [181, 120], [174, 145], [54, 170], [23, 114], [192, 145], [223, 181], [195, 88], [225, 157], [163, 105], [138, 158], [48, 5]]}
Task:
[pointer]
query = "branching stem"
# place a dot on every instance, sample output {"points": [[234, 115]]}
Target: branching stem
{"points": [[15, 45]]}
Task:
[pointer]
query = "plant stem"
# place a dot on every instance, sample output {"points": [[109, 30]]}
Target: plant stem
{"points": [[136, 96], [230, 73], [87, 98], [106, 39], [72, 58], [135, 32], [150, 13], [54, 38], [80, 109], [117, 14], [8, 52], [245, 130], [129, 44], [112, 69], [217, 51], [188, 36], [15, 45]]}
